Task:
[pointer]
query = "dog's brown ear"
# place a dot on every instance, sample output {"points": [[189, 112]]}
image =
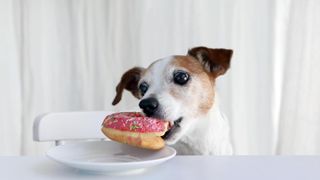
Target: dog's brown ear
{"points": [[129, 81], [215, 61]]}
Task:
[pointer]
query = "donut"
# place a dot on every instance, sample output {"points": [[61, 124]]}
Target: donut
{"points": [[135, 129]]}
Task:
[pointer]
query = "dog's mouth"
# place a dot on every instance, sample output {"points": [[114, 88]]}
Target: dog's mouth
{"points": [[173, 127]]}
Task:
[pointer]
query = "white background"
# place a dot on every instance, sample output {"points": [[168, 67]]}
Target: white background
{"points": [[63, 55]]}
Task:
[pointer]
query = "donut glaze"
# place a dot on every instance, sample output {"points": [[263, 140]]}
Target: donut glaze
{"points": [[134, 122]]}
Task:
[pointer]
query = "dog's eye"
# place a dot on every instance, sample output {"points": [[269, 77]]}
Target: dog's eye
{"points": [[180, 77], [143, 88]]}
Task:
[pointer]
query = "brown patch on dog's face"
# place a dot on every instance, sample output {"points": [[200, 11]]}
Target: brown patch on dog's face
{"points": [[199, 91]]}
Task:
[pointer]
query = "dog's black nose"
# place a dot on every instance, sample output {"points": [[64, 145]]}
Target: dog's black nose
{"points": [[149, 105]]}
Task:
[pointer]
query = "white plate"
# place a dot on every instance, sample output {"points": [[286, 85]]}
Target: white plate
{"points": [[108, 156]]}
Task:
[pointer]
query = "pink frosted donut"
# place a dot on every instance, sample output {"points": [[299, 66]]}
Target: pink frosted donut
{"points": [[135, 129]]}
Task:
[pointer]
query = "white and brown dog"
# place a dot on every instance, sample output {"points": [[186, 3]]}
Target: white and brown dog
{"points": [[181, 89]]}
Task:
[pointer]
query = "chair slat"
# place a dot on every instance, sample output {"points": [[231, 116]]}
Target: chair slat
{"points": [[69, 126]]}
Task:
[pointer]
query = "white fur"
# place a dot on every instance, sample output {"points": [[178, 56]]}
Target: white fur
{"points": [[156, 71], [208, 136]]}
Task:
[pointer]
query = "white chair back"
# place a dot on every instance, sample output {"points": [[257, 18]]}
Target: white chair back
{"points": [[64, 126]]}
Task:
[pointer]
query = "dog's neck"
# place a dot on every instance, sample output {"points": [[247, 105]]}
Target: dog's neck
{"points": [[209, 135]]}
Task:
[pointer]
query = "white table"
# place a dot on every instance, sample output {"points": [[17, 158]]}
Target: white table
{"points": [[180, 168]]}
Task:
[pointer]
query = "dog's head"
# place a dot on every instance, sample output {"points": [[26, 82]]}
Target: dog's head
{"points": [[179, 89]]}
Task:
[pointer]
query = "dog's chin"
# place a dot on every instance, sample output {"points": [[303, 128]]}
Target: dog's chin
{"points": [[173, 138], [172, 135]]}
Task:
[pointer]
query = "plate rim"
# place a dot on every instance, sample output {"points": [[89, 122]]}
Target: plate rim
{"points": [[173, 154]]}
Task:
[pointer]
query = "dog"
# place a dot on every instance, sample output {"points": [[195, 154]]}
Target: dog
{"points": [[181, 90]]}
